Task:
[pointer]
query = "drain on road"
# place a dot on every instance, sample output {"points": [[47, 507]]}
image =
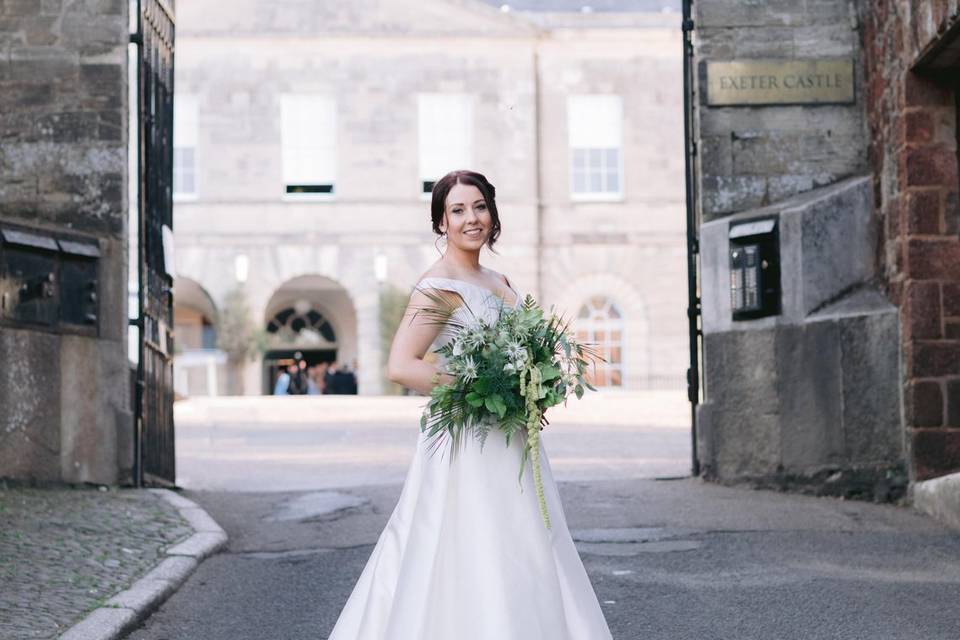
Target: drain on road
{"points": [[284, 555], [319, 505], [631, 541]]}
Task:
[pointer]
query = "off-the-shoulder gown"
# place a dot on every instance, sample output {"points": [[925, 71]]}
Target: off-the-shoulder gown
{"points": [[465, 554]]}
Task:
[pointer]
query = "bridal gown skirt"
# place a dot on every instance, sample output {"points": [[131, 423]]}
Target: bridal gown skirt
{"points": [[466, 556]]}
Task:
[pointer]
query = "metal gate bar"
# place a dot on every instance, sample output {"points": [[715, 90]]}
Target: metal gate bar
{"points": [[154, 460], [693, 245]]}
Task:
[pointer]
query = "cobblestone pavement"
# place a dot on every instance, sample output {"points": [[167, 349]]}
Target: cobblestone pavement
{"points": [[64, 551]]}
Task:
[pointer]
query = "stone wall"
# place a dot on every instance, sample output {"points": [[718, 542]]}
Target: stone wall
{"points": [[752, 157], [807, 399], [912, 111], [63, 159]]}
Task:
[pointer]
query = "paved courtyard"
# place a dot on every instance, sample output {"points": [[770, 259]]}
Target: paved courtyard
{"points": [[304, 486], [669, 560], [315, 442]]}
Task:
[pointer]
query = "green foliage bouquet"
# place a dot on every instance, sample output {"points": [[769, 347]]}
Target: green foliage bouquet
{"points": [[506, 375]]}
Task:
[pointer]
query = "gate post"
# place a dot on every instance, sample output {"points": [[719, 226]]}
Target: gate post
{"points": [[693, 249]]}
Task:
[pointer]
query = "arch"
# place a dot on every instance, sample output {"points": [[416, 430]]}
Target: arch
{"points": [[309, 317], [635, 347], [198, 365], [194, 315], [599, 321], [315, 300]]}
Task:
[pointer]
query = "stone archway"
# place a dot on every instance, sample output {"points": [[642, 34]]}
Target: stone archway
{"points": [[198, 363], [310, 318]]}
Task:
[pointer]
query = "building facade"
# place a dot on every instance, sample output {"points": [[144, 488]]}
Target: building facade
{"points": [[308, 138]]}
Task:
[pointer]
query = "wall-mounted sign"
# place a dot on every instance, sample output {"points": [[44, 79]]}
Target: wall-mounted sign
{"points": [[753, 82]]}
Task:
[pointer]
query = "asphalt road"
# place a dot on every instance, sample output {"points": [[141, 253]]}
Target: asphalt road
{"points": [[304, 487], [675, 560]]}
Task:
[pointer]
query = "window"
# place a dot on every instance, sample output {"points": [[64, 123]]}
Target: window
{"points": [[600, 322], [185, 134], [308, 137], [445, 125], [594, 126], [290, 323]]}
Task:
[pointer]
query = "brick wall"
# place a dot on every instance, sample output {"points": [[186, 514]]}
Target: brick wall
{"points": [[912, 116]]}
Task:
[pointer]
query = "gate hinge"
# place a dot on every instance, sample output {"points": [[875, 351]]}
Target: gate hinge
{"points": [[687, 25]]}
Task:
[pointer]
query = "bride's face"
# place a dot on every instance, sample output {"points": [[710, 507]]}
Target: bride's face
{"points": [[467, 218]]}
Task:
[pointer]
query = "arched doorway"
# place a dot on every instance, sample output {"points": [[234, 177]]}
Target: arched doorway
{"points": [[198, 364], [309, 319]]}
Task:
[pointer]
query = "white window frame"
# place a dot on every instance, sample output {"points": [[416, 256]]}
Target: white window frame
{"points": [[600, 320], [186, 134], [595, 127], [444, 136], [308, 142]]}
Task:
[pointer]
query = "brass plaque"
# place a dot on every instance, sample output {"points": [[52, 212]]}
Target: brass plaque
{"points": [[751, 82]]}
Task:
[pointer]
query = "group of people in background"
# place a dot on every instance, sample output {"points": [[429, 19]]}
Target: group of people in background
{"points": [[324, 378]]}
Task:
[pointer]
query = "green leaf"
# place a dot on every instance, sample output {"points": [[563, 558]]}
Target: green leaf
{"points": [[474, 399], [501, 406], [578, 390], [490, 402], [548, 371]]}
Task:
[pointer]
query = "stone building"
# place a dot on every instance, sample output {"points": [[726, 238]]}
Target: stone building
{"points": [[826, 136], [309, 133], [64, 392]]}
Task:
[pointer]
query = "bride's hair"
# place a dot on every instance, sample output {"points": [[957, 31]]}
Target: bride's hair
{"points": [[442, 188]]}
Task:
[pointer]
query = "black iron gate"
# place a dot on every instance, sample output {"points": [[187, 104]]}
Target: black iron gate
{"points": [[693, 230], [153, 439]]}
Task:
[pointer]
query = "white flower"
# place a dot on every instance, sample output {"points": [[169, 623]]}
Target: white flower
{"points": [[517, 353], [458, 349], [468, 369], [474, 340], [510, 368]]}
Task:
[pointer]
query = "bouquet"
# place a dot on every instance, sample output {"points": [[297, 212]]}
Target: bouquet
{"points": [[507, 374]]}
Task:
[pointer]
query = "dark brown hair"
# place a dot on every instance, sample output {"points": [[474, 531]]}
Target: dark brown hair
{"points": [[442, 188]]}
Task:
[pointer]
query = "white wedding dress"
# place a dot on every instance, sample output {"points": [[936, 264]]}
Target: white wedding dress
{"points": [[465, 554]]}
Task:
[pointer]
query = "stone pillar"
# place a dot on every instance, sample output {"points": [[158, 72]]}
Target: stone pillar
{"points": [[369, 360], [807, 398], [64, 387]]}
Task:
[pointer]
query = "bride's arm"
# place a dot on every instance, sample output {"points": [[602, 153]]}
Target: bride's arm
{"points": [[414, 336]]}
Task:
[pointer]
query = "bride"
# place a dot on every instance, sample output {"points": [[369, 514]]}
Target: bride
{"points": [[465, 554]]}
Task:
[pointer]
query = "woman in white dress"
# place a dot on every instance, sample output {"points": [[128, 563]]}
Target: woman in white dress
{"points": [[465, 554]]}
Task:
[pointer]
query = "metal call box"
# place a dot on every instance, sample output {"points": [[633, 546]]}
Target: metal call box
{"points": [[754, 268], [28, 278], [48, 280]]}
